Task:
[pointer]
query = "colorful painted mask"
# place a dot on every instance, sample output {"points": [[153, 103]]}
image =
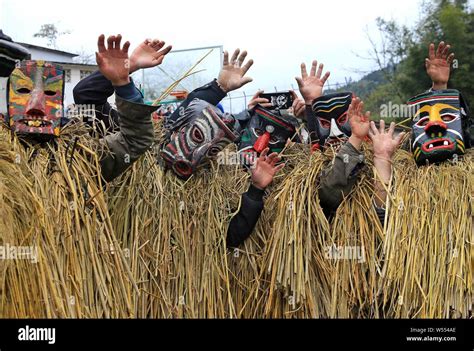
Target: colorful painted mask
{"points": [[266, 129], [35, 98], [196, 137], [329, 123], [437, 128]]}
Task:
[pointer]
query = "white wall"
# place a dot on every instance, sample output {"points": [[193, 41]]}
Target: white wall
{"points": [[45, 55], [3, 95], [75, 78]]}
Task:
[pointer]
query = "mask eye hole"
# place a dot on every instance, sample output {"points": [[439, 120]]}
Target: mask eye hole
{"points": [[197, 135], [50, 92], [182, 168], [213, 151], [324, 123], [448, 117], [342, 119], [423, 122], [23, 91]]}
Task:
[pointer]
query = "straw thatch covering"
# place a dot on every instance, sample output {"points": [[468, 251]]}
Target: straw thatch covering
{"points": [[149, 245]]}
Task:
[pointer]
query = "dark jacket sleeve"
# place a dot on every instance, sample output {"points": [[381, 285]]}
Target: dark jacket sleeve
{"points": [[134, 139], [95, 90], [210, 92], [338, 180], [243, 223], [380, 214]]}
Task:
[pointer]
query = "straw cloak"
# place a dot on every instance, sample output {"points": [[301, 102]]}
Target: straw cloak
{"points": [[288, 268], [52, 202], [149, 245]]}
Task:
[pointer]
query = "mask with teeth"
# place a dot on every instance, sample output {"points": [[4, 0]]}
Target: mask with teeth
{"points": [[35, 99], [329, 124], [197, 136], [266, 129], [437, 128]]}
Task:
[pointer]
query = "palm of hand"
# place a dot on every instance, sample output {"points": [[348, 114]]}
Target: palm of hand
{"points": [[312, 86], [359, 126], [263, 174], [232, 76], [114, 64], [143, 56], [438, 70], [384, 145]]}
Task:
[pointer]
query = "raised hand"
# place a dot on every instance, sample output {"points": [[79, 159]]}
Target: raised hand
{"points": [[232, 74], [148, 54], [311, 86], [298, 107], [264, 169], [256, 99], [384, 142], [359, 122], [385, 145], [438, 65], [113, 61]]}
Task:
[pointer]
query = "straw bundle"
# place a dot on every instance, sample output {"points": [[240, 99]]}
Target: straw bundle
{"points": [[61, 212], [151, 246], [429, 241]]}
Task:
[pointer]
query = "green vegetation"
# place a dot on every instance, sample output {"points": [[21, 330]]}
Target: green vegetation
{"points": [[401, 55]]}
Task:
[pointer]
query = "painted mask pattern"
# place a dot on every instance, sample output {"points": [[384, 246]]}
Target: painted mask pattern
{"points": [[266, 129], [437, 133], [197, 137], [330, 123], [35, 98]]}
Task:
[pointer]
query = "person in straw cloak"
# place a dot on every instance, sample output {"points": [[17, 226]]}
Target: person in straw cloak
{"points": [[399, 269], [72, 265]]}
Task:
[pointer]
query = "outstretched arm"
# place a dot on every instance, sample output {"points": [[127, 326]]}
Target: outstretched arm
{"points": [[243, 223], [96, 88], [338, 180], [136, 130], [385, 144]]}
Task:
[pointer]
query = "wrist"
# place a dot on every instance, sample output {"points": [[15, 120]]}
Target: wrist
{"points": [[222, 86], [383, 167], [308, 99], [440, 86], [120, 82], [255, 193], [355, 141], [258, 186], [133, 67]]}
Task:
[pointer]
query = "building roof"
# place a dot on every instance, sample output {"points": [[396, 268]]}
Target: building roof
{"points": [[76, 64], [31, 46]]}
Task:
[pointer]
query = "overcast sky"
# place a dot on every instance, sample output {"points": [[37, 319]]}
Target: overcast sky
{"points": [[277, 34]]}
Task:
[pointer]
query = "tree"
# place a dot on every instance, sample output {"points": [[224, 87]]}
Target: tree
{"points": [[402, 51], [51, 33]]}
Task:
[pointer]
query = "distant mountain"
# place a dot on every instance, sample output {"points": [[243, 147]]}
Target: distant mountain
{"points": [[363, 87]]}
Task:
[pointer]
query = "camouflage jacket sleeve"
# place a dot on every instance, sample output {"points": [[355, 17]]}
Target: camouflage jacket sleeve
{"points": [[134, 139], [339, 178]]}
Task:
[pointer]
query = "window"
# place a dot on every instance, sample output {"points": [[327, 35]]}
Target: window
{"points": [[84, 74]]}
